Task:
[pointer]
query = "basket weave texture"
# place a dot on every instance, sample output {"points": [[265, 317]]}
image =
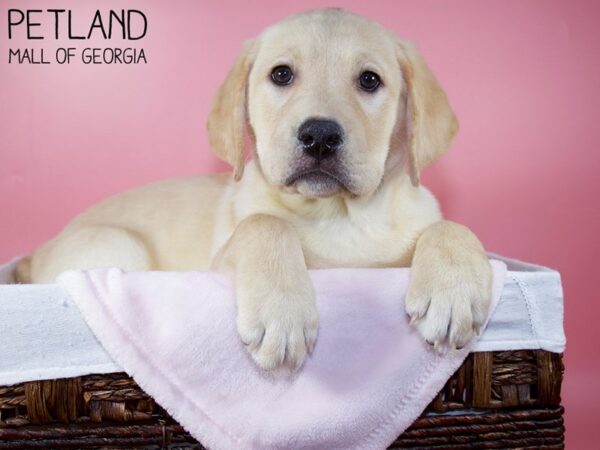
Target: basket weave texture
{"points": [[508, 399]]}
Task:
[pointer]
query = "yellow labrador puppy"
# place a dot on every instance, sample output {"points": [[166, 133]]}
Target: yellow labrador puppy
{"points": [[342, 116]]}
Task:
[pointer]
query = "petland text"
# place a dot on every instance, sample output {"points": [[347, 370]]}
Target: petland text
{"points": [[59, 24]]}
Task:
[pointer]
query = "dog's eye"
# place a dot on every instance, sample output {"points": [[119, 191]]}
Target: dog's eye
{"points": [[282, 75], [369, 81]]}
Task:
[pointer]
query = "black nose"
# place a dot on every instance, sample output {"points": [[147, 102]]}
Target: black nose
{"points": [[320, 138]]}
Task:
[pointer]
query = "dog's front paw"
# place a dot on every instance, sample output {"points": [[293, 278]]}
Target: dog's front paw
{"points": [[278, 325], [448, 300]]}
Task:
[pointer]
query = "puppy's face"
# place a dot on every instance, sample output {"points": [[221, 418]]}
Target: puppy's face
{"points": [[323, 98], [331, 100]]}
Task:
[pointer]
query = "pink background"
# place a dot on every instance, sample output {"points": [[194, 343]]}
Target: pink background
{"points": [[523, 78]]}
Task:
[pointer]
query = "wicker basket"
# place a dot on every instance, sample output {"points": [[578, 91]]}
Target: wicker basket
{"points": [[502, 400]]}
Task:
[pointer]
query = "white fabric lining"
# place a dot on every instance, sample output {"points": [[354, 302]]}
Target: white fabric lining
{"points": [[49, 338]]}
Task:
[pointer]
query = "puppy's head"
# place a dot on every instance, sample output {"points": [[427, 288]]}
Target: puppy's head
{"points": [[332, 102]]}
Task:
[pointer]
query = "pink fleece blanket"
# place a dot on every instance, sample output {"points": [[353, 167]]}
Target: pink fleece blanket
{"points": [[369, 377]]}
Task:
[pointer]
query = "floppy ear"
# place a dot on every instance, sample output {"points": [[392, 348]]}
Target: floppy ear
{"points": [[227, 120], [431, 122]]}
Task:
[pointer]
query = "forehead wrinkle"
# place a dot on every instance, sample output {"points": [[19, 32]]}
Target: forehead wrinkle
{"points": [[351, 54], [290, 54]]}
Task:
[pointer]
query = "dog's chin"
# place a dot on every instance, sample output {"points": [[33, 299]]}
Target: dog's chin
{"points": [[318, 184]]}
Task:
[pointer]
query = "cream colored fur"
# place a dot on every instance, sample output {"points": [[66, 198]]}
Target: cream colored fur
{"points": [[266, 232]]}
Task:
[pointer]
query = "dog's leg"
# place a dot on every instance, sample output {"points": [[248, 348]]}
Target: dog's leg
{"points": [[450, 287], [277, 315], [89, 247]]}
